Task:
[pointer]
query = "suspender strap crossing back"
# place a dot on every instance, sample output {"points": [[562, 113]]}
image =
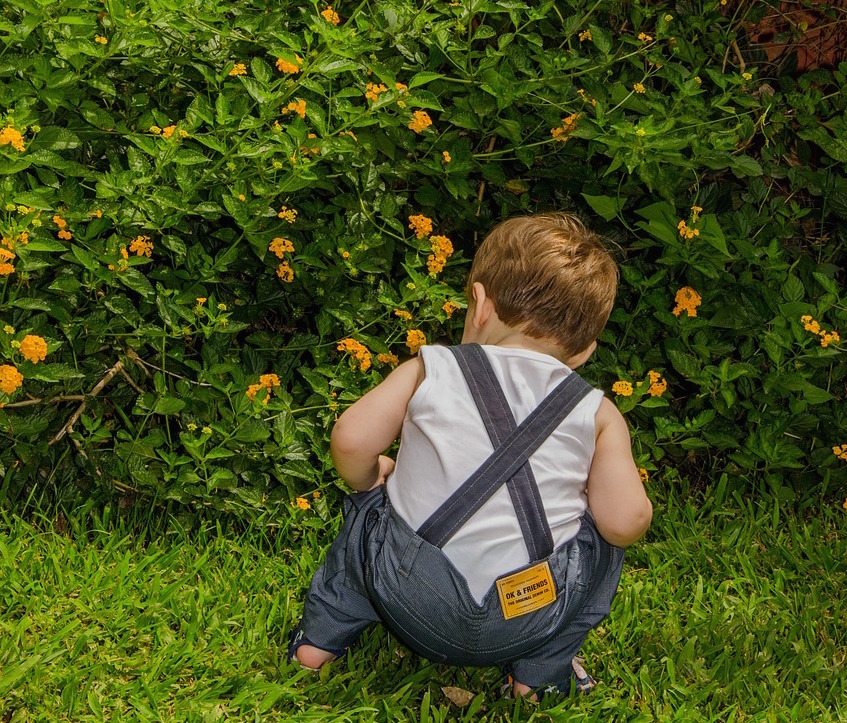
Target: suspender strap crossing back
{"points": [[513, 445]]}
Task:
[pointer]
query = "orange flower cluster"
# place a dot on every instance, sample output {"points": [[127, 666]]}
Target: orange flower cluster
{"points": [[658, 384], [839, 451], [686, 300], [302, 503], [266, 381], [10, 378], [358, 351], [403, 314], [288, 214], [142, 246], [445, 157], [415, 339], [449, 307], [295, 106], [644, 38], [288, 67], [568, 126], [6, 257], [420, 121], [330, 16], [442, 249], [421, 225], [100, 39], [643, 474], [810, 324], [622, 388], [33, 348], [388, 359], [695, 213], [585, 35], [280, 245], [285, 272], [686, 232], [373, 90], [11, 137], [238, 69]]}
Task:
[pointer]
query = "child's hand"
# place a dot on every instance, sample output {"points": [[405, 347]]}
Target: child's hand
{"points": [[385, 468]]}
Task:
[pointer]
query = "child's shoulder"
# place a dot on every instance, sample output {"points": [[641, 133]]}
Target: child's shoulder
{"points": [[609, 419]]}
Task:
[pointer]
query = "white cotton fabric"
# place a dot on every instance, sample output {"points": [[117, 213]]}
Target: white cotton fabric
{"points": [[444, 441]]}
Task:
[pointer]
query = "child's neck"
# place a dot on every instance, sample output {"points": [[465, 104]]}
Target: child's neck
{"points": [[499, 334]]}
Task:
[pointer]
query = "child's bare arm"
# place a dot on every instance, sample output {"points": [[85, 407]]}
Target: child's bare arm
{"points": [[616, 495], [368, 427]]}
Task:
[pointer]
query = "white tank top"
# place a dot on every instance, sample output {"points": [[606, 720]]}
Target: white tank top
{"points": [[444, 441]]}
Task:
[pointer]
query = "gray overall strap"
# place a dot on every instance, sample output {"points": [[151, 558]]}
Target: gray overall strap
{"points": [[499, 421], [505, 461]]}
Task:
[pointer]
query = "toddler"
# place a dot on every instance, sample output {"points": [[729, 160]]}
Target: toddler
{"points": [[496, 539]]}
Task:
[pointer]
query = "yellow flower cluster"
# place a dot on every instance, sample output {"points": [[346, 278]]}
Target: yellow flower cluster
{"points": [[100, 39], [285, 272], [295, 106], [445, 157], [585, 97], [644, 38], [421, 225], [11, 137], [288, 67], [585, 35], [695, 213], [643, 474], [238, 69], [33, 348], [358, 351], [302, 503], [373, 90], [827, 337], [266, 381], [568, 126], [686, 232], [331, 16], [420, 121], [280, 245], [658, 384], [388, 359], [403, 314], [840, 451], [639, 88], [288, 214], [686, 300], [622, 388], [142, 246], [10, 378], [442, 249], [449, 307], [415, 339]]}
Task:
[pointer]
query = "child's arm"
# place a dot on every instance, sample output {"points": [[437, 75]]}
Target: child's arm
{"points": [[368, 427], [616, 495]]}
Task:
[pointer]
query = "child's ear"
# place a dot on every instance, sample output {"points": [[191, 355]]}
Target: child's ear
{"points": [[482, 305]]}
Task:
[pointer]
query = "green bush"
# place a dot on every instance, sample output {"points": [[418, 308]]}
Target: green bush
{"points": [[266, 159]]}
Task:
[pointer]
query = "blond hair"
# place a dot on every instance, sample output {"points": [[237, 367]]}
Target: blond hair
{"points": [[549, 276]]}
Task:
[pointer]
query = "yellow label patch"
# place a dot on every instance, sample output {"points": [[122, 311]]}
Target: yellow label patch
{"points": [[527, 590]]}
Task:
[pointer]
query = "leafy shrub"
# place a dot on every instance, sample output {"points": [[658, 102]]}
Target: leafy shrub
{"points": [[228, 221]]}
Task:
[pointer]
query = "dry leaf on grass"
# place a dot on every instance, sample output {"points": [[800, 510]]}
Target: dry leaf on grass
{"points": [[458, 696]]}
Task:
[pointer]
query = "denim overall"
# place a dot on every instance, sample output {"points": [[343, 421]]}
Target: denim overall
{"points": [[379, 569]]}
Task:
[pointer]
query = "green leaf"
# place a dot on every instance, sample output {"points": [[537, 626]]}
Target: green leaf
{"points": [[53, 372], [168, 405], [423, 78], [135, 281], [606, 206], [601, 38]]}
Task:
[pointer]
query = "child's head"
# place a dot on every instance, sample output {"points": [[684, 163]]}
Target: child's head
{"points": [[549, 276]]}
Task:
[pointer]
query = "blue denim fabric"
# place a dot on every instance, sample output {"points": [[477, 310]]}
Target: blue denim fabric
{"points": [[380, 569]]}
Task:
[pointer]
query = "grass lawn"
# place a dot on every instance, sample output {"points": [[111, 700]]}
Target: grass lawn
{"points": [[730, 610]]}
